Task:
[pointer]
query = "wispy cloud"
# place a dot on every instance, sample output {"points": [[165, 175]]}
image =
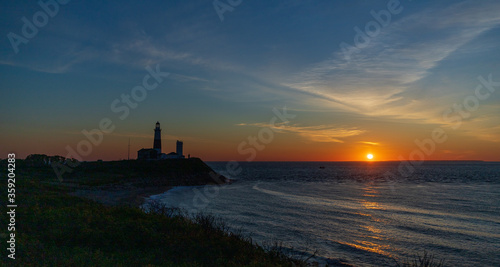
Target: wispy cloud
{"points": [[377, 81], [147, 53], [142, 51], [60, 62], [369, 143], [318, 133], [186, 78], [489, 133], [136, 51]]}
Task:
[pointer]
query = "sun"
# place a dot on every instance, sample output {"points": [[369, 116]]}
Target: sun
{"points": [[369, 156]]}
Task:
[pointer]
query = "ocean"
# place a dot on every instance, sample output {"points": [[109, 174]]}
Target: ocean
{"points": [[353, 213]]}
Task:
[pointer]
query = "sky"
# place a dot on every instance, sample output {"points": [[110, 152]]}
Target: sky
{"points": [[252, 80]]}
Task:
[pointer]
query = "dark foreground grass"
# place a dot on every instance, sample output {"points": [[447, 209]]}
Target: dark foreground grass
{"points": [[425, 260], [56, 229]]}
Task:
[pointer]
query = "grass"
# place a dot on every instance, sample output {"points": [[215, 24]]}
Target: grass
{"points": [[56, 229], [425, 260]]}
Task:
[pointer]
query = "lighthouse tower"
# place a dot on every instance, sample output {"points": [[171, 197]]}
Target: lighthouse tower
{"points": [[157, 141]]}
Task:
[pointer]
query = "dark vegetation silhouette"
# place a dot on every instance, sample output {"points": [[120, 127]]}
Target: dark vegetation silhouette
{"points": [[57, 229]]}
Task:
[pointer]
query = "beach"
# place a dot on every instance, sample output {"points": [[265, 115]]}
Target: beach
{"points": [[114, 195]]}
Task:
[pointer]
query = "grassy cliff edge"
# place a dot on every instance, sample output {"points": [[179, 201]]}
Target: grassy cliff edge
{"points": [[55, 228]]}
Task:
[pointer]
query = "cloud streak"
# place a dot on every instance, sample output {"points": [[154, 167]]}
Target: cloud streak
{"points": [[369, 143], [378, 80], [318, 133]]}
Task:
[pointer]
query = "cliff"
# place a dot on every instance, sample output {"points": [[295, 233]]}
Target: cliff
{"points": [[169, 172]]}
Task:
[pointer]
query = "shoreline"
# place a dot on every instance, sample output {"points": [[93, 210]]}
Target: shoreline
{"points": [[128, 183], [119, 195], [71, 224]]}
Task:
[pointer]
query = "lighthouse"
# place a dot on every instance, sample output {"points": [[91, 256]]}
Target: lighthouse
{"points": [[155, 152], [157, 141]]}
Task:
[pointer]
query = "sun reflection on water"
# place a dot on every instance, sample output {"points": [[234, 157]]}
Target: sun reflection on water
{"points": [[372, 237], [371, 205]]}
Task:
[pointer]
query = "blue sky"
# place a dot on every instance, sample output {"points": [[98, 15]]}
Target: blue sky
{"points": [[227, 76]]}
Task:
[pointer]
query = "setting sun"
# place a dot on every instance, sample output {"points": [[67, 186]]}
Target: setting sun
{"points": [[369, 156]]}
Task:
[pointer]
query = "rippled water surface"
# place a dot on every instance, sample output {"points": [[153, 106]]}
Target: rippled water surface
{"points": [[356, 213]]}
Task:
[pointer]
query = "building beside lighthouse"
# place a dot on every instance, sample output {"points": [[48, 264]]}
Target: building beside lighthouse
{"points": [[178, 152], [178, 147], [155, 153]]}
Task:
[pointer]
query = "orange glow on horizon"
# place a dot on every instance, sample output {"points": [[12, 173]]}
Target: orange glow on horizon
{"points": [[225, 147]]}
